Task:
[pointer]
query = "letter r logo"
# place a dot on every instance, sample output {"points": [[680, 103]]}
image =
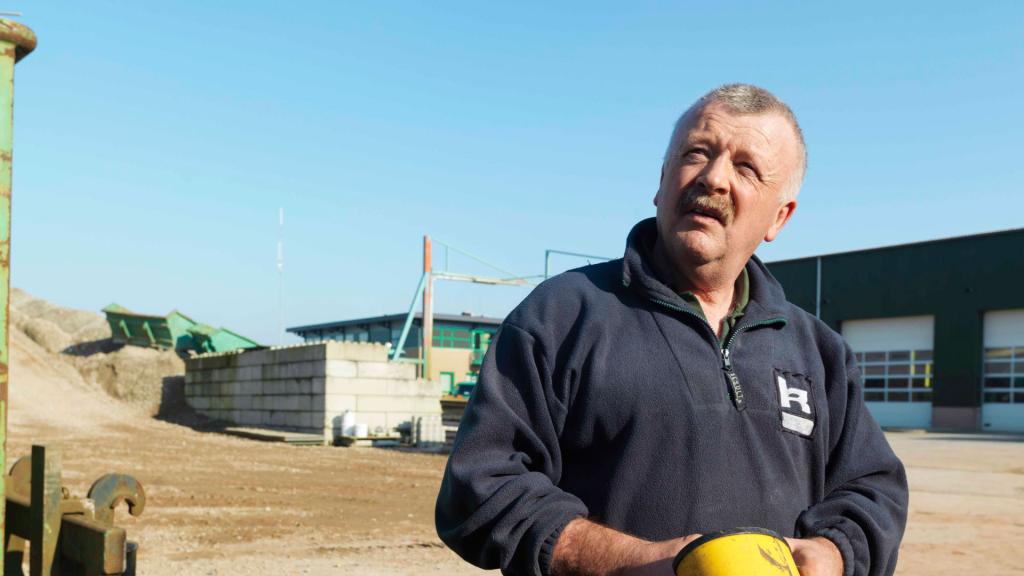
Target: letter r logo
{"points": [[789, 395], [795, 403]]}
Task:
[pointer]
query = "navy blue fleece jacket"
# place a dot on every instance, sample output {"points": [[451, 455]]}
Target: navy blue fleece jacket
{"points": [[604, 395]]}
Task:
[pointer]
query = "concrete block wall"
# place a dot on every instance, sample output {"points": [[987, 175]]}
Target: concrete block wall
{"points": [[307, 388]]}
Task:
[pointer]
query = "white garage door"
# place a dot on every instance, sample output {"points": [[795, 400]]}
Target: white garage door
{"points": [[1002, 407], [895, 357]]}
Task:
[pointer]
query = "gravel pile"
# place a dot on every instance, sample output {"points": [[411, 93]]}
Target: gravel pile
{"points": [[148, 379]]}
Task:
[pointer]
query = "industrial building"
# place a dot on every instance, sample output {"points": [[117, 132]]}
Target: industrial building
{"points": [[460, 341], [937, 326]]}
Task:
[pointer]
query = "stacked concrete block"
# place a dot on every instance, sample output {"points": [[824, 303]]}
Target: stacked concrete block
{"points": [[452, 409], [308, 388], [381, 399], [428, 432]]}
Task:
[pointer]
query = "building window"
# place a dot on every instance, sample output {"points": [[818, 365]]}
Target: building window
{"points": [[380, 334], [897, 375], [452, 337], [1003, 376]]}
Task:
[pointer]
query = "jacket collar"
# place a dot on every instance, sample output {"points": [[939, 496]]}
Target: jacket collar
{"points": [[767, 299]]}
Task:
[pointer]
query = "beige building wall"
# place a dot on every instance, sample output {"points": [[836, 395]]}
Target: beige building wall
{"points": [[454, 360]]}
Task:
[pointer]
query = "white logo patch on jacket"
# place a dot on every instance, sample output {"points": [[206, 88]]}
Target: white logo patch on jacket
{"points": [[796, 404]]}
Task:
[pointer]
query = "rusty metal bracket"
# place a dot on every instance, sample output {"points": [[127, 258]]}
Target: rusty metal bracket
{"points": [[110, 490], [76, 535]]}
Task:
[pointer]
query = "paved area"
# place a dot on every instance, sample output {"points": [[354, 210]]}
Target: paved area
{"points": [[966, 503]]}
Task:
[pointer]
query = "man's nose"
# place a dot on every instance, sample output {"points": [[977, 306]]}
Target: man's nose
{"points": [[715, 176]]}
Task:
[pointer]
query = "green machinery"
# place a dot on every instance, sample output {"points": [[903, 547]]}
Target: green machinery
{"points": [[66, 535], [175, 330]]}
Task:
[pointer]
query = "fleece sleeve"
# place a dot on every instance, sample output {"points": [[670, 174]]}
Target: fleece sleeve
{"points": [[864, 510], [500, 505]]}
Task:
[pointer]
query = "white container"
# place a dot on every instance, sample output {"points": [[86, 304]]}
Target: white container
{"points": [[348, 423], [361, 431]]}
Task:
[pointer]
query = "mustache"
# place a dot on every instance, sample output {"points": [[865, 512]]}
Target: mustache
{"points": [[718, 206]]}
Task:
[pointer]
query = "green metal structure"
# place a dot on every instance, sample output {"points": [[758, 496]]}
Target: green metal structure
{"points": [[209, 339], [172, 331], [16, 41]]}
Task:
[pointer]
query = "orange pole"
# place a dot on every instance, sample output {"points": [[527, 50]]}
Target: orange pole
{"points": [[428, 311]]}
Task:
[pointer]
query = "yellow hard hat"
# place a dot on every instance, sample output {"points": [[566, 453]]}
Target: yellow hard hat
{"points": [[736, 552]]}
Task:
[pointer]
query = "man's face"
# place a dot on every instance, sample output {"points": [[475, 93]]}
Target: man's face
{"points": [[721, 187]]}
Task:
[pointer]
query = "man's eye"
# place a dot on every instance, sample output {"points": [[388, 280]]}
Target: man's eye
{"points": [[747, 168], [696, 153]]}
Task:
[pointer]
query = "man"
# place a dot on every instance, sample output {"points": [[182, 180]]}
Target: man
{"points": [[627, 407]]}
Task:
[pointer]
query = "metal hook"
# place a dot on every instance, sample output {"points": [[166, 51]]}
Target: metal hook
{"points": [[109, 490]]}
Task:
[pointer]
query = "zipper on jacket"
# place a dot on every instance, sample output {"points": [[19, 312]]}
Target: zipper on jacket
{"points": [[731, 378], [735, 388], [732, 381]]}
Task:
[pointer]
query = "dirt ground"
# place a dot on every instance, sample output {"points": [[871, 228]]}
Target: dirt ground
{"points": [[218, 505]]}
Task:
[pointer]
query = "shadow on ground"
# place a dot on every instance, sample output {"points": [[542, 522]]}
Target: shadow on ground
{"points": [[174, 409], [102, 346]]}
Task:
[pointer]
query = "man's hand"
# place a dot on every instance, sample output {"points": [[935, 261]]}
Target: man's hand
{"points": [[586, 548], [816, 556]]}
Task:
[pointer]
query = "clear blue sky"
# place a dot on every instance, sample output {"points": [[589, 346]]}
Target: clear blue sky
{"points": [[154, 142]]}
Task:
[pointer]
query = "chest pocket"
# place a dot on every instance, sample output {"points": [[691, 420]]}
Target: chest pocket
{"points": [[797, 409]]}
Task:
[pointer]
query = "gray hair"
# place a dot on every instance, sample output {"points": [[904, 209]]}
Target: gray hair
{"points": [[747, 99]]}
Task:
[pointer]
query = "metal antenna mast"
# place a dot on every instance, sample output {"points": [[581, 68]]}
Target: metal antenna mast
{"points": [[280, 276]]}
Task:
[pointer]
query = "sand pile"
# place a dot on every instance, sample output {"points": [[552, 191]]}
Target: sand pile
{"points": [[77, 344], [52, 327]]}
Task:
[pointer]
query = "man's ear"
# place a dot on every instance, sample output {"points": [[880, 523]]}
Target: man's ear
{"points": [[660, 180], [783, 215]]}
